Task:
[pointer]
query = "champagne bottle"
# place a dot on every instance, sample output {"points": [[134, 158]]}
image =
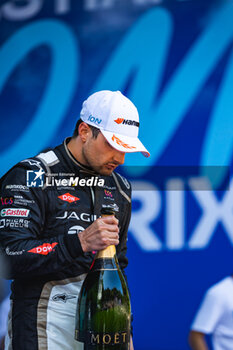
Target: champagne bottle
{"points": [[103, 315]]}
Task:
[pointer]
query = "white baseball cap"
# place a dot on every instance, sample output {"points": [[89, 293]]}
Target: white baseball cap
{"points": [[117, 118]]}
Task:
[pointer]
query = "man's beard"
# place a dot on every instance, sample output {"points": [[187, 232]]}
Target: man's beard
{"points": [[99, 169]]}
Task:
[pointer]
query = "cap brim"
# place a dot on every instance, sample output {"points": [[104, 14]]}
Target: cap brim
{"points": [[125, 143]]}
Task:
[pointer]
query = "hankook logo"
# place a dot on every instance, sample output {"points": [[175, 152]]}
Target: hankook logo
{"points": [[126, 122]]}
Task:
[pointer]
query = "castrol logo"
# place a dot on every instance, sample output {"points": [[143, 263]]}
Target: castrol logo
{"points": [[20, 212], [67, 197]]}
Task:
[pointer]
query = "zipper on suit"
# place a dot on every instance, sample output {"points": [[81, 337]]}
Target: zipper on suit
{"points": [[92, 203]]}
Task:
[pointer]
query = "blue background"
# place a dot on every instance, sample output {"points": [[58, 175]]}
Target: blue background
{"points": [[174, 60]]}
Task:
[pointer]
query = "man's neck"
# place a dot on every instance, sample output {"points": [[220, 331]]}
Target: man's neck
{"points": [[75, 148]]}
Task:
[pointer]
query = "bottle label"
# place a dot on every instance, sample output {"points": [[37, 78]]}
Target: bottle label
{"points": [[94, 338]]}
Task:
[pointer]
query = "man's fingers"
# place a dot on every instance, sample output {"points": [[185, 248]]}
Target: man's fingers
{"points": [[111, 219], [106, 235], [110, 241], [107, 226], [99, 235]]}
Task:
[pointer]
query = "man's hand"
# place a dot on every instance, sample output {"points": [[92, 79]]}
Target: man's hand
{"points": [[197, 341], [100, 234]]}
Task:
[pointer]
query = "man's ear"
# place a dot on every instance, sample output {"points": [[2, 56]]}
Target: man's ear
{"points": [[83, 131]]}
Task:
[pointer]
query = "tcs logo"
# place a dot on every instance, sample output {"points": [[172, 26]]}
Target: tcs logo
{"points": [[7, 200]]}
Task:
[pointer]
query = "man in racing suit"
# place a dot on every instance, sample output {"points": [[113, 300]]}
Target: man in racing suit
{"points": [[50, 224]]}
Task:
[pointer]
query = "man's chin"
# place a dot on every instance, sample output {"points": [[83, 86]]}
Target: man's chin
{"points": [[105, 172]]}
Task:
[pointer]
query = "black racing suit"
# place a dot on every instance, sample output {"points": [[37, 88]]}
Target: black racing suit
{"points": [[39, 224]]}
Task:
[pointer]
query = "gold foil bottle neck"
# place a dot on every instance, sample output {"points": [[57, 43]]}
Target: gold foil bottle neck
{"points": [[108, 252]]}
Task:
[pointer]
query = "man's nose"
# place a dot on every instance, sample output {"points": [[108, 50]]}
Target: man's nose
{"points": [[119, 157]]}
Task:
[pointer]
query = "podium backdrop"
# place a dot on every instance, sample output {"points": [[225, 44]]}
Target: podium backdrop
{"points": [[174, 59]]}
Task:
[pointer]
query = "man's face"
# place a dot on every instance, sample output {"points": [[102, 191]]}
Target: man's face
{"points": [[100, 155]]}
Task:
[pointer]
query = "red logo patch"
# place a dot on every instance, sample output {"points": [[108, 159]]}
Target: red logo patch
{"points": [[43, 249], [67, 197]]}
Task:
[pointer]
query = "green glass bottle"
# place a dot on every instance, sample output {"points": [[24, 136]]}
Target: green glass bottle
{"points": [[103, 317]]}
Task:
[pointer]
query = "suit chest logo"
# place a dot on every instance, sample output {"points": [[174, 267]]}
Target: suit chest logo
{"points": [[67, 197]]}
